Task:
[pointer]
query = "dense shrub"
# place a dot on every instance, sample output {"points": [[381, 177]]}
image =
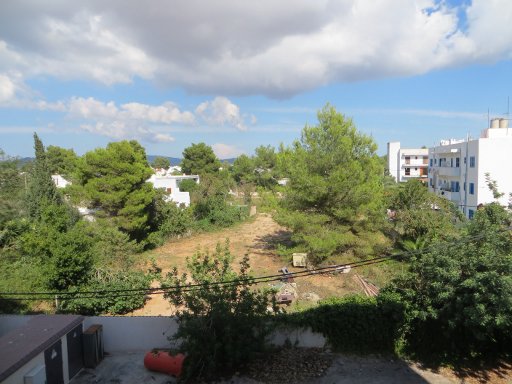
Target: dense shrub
{"points": [[355, 324], [214, 211], [459, 293], [115, 303], [221, 327]]}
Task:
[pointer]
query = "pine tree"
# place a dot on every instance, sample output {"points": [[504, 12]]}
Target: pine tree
{"points": [[42, 192]]}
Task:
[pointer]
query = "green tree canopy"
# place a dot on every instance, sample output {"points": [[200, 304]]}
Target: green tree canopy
{"points": [[61, 161], [161, 162], [199, 159], [115, 181], [243, 169], [421, 215], [335, 189], [335, 170], [11, 189]]}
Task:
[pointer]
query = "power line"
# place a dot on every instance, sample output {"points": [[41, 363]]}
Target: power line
{"points": [[187, 288], [250, 280]]}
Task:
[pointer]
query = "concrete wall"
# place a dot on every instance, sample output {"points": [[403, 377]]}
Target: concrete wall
{"points": [[301, 337], [393, 159], [134, 333], [125, 334], [495, 157], [17, 377]]}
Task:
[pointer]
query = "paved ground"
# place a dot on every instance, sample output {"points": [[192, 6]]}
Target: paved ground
{"points": [[126, 368], [129, 369]]}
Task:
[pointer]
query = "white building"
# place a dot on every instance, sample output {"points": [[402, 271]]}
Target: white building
{"points": [[171, 184], [407, 163], [457, 168], [60, 182]]}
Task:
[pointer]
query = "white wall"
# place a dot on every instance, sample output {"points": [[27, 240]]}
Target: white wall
{"points": [[17, 377], [393, 160], [134, 333], [126, 334], [495, 157]]}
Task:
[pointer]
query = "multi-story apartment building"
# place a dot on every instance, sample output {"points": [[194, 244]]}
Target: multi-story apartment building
{"points": [[458, 168], [407, 163]]}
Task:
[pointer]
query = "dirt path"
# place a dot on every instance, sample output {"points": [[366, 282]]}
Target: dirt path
{"points": [[258, 238]]}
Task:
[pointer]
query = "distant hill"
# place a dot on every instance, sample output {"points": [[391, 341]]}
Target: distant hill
{"points": [[177, 161], [173, 160]]}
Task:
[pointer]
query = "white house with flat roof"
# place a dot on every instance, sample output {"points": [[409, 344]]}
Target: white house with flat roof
{"points": [[171, 185], [458, 168], [407, 163]]}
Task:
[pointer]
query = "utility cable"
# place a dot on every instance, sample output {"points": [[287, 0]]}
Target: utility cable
{"points": [[197, 286]]}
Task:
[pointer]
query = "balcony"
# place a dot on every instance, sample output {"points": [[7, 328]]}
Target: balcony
{"points": [[449, 171], [448, 195]]}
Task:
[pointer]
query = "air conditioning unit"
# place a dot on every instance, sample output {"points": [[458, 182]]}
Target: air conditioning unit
{"points": [[93, 345], [36, 376]]}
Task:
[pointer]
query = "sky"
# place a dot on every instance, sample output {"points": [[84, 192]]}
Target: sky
{"points": [[239, 74]]}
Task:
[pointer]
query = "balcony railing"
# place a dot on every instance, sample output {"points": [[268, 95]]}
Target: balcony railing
{"points": [[449, 195], [449, 171]]}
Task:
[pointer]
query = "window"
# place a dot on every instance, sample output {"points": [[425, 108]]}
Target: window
{"points": [[471, 188], [431, 162], [472, 161], [471, 213], [425, 159], [451, 162], [407, 159], [407, 171], [457, 162], [435, 161], [454, 186]]}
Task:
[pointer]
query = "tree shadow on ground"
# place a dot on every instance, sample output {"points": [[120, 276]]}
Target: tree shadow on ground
{"points": [[271, 241], [9, 306], [494, 371]]}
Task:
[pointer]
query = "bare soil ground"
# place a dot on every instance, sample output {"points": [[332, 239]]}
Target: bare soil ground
{"points": [[258, 238]]}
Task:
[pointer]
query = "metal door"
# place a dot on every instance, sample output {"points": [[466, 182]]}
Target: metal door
{"points": [[53, 362], [75, 358]]}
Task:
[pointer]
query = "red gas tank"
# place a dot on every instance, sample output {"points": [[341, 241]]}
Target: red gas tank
{"points": [[163, 361]]}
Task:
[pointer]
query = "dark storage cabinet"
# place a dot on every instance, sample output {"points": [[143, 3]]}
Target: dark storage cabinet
{"points": [[93, 345]]}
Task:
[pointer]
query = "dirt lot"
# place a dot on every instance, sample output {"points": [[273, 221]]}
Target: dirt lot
{"points": [[258, 238]]}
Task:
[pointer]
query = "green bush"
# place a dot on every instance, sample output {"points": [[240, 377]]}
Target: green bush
{"points": [[214, 211], [355, 324], [221, 327], [459, 294], [109, 303]]}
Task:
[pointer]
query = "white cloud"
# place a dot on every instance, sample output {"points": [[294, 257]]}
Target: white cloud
{"points": [[230, 47], [221, 111], [130, 120], [166, 113], [7, 88], [225, 151]]}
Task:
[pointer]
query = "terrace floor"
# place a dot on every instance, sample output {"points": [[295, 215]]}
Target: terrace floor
{"points": [[128, 368]]}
